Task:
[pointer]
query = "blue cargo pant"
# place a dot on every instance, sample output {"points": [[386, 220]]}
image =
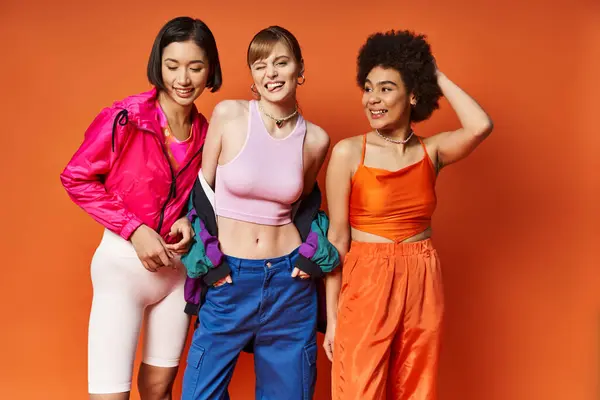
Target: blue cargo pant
{"points": [[266, 304]]}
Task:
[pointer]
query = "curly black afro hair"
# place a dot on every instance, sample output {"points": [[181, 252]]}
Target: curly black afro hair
{"points": [[410, 55]]}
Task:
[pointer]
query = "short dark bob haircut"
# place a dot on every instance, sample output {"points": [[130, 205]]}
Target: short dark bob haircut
{"points": [[410, 55], [182, 29]]}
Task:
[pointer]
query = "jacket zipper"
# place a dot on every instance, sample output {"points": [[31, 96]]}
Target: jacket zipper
{"points": [[122, 119], [173, 188]]}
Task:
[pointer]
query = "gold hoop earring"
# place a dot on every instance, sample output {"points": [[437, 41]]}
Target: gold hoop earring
{"points": [[303, 80]]}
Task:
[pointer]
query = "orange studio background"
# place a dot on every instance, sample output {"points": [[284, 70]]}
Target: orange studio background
{"points": [[517, 224]]}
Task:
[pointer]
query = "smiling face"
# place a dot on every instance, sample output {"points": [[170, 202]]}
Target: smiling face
{"points": [[385, 99], [276, 75], [185, 71]]}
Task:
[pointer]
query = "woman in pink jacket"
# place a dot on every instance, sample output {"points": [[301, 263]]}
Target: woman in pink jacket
{"points": [[133, 174]]}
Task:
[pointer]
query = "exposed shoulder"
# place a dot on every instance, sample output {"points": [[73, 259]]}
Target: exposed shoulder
{"points": [[349, 149], [316, 137], [431, 142], [230, 109], [432, 139]]}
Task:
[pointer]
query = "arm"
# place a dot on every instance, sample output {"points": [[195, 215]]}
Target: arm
{"points": [[339, 176], [476, 125], [315, 150], [83, 176], [214, 136], [225, 112], [316, 145]]}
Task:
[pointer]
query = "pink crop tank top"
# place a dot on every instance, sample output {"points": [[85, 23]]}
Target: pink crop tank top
{"points": [[261, 183]]}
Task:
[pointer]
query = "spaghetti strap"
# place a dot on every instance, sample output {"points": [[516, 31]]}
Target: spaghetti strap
{"points": [[364, 149], [423, 145], [427, 154]]}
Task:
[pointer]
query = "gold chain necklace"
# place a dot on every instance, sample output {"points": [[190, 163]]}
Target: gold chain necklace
{"points": [[278, 121]]}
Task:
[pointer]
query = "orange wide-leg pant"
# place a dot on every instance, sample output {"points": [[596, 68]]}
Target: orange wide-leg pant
{"points": [[389, 318]]}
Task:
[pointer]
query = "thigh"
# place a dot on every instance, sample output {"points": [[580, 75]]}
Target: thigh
{"points": [[226, 324], [285, 351], [288, 307], [166, 328], [114, 327], [369, 315], [415, 351]]}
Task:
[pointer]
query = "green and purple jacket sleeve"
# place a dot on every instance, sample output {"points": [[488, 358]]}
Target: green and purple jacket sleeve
{"points": [[204, 259], [317, 255]]}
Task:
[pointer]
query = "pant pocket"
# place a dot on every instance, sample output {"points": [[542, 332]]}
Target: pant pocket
{"points": [[192, 372], [221, 298], [309, 370]]}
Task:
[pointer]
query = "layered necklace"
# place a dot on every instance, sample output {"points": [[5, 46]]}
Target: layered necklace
{"points": [[389, 139], [279, 121]]}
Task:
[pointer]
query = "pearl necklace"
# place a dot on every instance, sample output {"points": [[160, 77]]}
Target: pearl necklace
{"points": [[389, 139]]}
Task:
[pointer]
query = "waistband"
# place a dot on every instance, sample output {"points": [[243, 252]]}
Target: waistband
{"points": [[285, 261], [117, 245], [389, 249]]}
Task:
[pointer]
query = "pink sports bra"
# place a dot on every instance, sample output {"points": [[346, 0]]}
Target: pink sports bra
{"points": [[261, 183]]}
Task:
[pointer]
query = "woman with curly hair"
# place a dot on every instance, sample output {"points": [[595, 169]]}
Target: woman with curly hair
{"points": [[381, 196]]}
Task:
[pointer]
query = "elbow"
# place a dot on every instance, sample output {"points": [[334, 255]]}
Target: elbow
{"points": [[66, 181], [484, 128], [73, 184]]}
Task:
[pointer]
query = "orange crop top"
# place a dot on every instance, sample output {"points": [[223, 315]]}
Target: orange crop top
{"points": [[393, 204]]}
